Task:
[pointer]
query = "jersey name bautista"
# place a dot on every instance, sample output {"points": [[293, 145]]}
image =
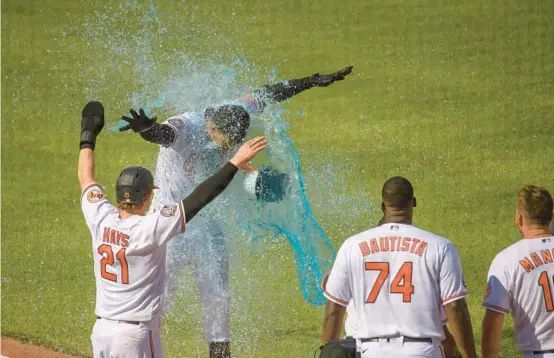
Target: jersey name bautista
{"points": [[393, 243]]}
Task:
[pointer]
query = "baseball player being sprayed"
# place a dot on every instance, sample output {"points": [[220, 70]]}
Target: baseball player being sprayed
{"points": [[193, 146]]}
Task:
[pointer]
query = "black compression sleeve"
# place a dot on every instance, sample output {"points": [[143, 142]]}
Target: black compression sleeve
{"points": [[160, 134], [208, 190], [284, 90]]}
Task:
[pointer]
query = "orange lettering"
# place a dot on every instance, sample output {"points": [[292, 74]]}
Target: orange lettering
{"points": [[364, 248], [526, 264], [384, 243], [112, 236], [393, 242], [106, 237], [118, 238], [124, 241], [406, 243], [536, 259], [414, 244], [546, 256], [421, 248], [374, 246]]}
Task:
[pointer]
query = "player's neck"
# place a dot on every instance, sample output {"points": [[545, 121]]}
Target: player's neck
{"points": [[535, 232], [397, 219], [123, 214]]}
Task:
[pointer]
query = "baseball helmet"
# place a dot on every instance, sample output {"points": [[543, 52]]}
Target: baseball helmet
{"points": [[231, 120], [133, 184], [271, 185]]}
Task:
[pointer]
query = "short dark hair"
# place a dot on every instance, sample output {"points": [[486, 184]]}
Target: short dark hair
{"points": [[397, 192], [232, 120], [535, 203]]}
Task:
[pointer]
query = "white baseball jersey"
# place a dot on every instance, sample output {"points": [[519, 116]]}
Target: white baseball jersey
{"points": [[521, 281], [193, 156], [397, 277], [129, 256]]}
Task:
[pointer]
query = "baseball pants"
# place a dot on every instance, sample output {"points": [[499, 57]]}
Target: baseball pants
{"points": [[385, 349], [117, 339], [205, 249]]}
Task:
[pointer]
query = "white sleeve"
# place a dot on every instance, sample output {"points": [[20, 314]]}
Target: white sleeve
{"points": [[338, 287], [186, 128], [162, 225], [251, 102], [94, 205], [497, 297], [451, 278]]}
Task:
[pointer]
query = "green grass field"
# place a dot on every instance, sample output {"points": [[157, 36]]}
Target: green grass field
{"points": [[456, 96]]}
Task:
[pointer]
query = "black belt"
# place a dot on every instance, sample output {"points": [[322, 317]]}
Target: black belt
{"points": [[543, 352], [129, 322], [392, 339]]}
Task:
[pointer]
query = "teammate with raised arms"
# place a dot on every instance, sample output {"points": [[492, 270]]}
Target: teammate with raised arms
{"points": [[129, 247]]}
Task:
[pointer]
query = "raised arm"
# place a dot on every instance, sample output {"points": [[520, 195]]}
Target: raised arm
{"points": [[149, 130], [214, 185], [91, 124], [284, 90]]}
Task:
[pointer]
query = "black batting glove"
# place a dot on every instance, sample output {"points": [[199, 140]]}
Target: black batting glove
{"points": [[325, 80], [91, 124], [139, 122]]}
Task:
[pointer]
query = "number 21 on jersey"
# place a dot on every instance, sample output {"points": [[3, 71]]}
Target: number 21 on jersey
{"points": [[401, 283], [106, 252]]}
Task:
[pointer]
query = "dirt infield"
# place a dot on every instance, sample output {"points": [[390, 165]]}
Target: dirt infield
{"points": [[13, 348]]}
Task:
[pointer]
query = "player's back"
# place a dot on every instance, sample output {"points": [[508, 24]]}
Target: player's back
{"points": [[396, 272], [129, 273], [521, 280], [129, 256]]}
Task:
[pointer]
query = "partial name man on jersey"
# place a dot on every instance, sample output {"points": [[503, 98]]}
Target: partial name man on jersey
{"points": [[129, 247], [398, 277], [521, 281]]}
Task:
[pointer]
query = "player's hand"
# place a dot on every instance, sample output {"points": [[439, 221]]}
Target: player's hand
{"points": [[248, 150], [139, 122], [92, 123], [326, 80]]}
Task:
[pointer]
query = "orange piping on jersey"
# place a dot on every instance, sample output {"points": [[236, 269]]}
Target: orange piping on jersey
{"points": [[336, 299], [182, 210], [455, 296], [495, 307]]}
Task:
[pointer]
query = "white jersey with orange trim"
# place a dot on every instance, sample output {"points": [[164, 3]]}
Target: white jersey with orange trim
{"points": [[129, 256], [521, 281], [397, 277]]}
